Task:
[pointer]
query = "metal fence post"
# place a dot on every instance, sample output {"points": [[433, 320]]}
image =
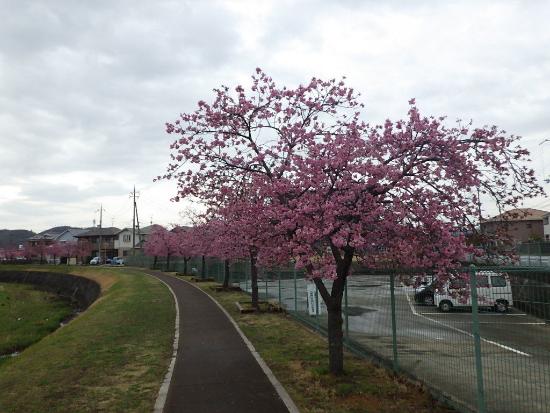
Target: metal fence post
{"points": [[477, 342], [393, 322], [317, 305], [280, 299], [346, 312], [246, 278], [295, 292]]}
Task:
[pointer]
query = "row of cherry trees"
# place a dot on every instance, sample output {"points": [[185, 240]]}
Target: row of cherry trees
{"points": [[296, 174], [183, 242], [41, 251]]}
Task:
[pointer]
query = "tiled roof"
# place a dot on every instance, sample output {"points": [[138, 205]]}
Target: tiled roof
{"points": [[519, 214], [95, 232], [147, 230], [42, 236]]}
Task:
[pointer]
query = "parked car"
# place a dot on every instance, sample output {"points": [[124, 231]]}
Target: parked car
{"points": [[117, 261], [424, 293], [95, 261], [493, 291]]}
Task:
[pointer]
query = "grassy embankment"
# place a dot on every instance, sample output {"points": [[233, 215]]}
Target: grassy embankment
{"points": [[27, 315], [112, 357], [299, 359]]}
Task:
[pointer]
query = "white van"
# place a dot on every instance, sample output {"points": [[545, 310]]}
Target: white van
{"points": [[493, 290]]}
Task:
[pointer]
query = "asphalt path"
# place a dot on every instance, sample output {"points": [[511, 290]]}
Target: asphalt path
{"points": [[214, 371]]}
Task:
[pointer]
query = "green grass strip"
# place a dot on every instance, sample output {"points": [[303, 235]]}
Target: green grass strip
{"points": [[112, 357], [27, 315]]}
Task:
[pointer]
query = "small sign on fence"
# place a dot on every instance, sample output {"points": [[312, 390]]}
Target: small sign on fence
{"points": [[314, 305]]}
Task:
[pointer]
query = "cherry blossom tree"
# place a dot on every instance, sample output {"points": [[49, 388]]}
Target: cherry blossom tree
{"points": [[162, 242], [225, 240], [335, 188], [83, 250], [11, 254], [185, 245], [54, 250], [70, 249], [151, 246], [38, 249]]}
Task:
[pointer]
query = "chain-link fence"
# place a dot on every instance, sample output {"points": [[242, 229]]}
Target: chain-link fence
{"points": [[495, 359], [534, 253]]}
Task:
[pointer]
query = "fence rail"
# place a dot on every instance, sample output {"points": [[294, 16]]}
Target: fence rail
{"points": [[496, 359]]}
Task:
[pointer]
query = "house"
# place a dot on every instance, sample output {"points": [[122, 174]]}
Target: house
{"points": [[146, 231], [69, 235], [520, 225], [124, 243], [47, 237], [39, 243], [101, 241]]}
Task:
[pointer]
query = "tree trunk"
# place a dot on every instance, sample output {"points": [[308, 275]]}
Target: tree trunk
{"points": [[254, 279], [168, 262], [335, 339], [203, 267], [226, 274], [185, 261], [333, 302], [155, 262]]}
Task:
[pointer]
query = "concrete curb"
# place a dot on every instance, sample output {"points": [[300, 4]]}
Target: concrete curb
{"points": [[163, 391], [281, 391]]}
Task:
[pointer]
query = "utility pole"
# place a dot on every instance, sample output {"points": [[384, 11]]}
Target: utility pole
{"points": [[100, 234], [137, 223], [133, 195]]}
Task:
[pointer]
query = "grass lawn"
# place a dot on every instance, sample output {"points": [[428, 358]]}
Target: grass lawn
{"points": [[27, 315], [299, 359], [112, 357]]}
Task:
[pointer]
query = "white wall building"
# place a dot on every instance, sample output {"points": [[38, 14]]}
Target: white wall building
{"points": [[124, 242]]}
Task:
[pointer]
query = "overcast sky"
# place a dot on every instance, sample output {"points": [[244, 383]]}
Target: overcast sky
{"points": [[86, 87]]}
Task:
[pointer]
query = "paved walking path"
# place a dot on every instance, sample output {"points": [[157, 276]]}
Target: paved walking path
{"points": [[214, 371]]}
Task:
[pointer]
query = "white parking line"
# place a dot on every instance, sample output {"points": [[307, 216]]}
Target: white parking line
{"points": [[514, 324], [503, 323], [458, 330], [481, 314]]}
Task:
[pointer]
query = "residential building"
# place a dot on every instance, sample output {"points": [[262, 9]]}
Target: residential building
{"points": [[124, 243], [146, 231], [107, 236], [520, 225], [47, 237], [69, 235], [42, 240]]}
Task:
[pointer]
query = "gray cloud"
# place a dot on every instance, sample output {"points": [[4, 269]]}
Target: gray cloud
{"points": [[85, 87]]}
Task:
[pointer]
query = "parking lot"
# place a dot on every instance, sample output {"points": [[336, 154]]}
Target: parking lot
{"points": [[438, 347]]}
